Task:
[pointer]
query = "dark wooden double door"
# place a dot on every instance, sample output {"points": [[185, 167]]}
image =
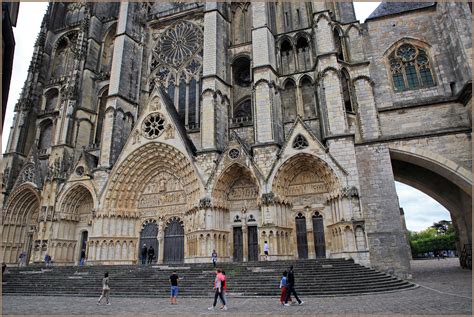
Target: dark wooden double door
{"points": [[302, 238], [173, 242], [252, 242]]}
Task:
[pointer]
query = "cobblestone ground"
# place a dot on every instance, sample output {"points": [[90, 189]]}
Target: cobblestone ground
{"points": [[445, 289]]}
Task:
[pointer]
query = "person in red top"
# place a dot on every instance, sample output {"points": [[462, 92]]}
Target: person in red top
{"points": [[224, 289], [218, 286]]}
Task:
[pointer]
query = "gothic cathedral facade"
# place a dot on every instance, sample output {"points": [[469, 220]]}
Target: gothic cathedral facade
{"points": [[198, 126]]}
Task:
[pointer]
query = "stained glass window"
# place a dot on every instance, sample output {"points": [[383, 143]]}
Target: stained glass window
{"points": [[410, 68]]}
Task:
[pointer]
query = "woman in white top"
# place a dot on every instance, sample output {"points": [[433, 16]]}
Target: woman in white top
{"points": [[105, 289]]}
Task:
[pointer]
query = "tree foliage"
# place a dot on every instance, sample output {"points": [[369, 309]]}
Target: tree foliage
{"points": [[440, 236]]}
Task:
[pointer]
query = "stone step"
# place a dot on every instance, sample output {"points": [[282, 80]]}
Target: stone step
{"points": [[326, 277]]}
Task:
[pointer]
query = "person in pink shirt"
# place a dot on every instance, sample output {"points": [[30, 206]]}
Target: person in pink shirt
{"points": [[218, 286]]}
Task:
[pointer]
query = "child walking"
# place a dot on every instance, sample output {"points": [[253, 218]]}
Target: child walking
{"points": [[105, 289], [284, 288]]}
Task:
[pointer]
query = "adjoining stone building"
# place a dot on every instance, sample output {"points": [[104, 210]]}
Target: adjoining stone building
{"points": [[200, 126]]}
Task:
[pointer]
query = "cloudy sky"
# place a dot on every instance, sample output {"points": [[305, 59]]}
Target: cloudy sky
{"points": [[420, 210]]}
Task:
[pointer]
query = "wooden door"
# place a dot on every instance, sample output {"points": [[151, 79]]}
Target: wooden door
{"points": [[319, 241], [148, 235], [301, 238], [253, 243], [174, 242], [238, 244]]}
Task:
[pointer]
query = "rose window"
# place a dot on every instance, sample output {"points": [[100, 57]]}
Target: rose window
{"points": [[153, 125], [179, 43], [234, 153]]}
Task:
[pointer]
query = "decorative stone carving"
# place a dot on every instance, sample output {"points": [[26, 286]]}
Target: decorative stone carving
{"points": [[153, 125], [169, 132], [136, 136], [164, 190], [205, 202], [350, 192], [268, 198]]}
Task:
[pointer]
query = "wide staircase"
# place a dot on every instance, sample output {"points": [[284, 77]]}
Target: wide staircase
{"points": [[325, 277]]}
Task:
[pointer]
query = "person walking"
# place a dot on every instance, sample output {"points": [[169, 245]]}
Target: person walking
{"points": [[144, 253], [224, 289], [83, 257], [105, 289], [219, 290], [47, 259], [151, 254], [284, 288], [174, 287], [214, 258], [291, 288], [265, 250], [22, 259]]}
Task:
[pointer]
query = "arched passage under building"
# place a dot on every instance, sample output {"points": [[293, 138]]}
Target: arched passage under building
{"points": [[443, 184]]}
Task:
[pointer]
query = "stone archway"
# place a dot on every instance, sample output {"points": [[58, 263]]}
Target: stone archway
{"points": [[305, 183], [156, 181], [236, 192], [20, 223], [446, 183], [74, 217]]}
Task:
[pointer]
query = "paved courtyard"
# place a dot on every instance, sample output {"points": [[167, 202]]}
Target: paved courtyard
{"points": [[445, 289]]}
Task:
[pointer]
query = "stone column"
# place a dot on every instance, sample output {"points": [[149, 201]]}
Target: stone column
{"points": [[161, 239], [386, 237], [215, 87], [268, 124], [124, 78], [369, 121], [245, 241]]}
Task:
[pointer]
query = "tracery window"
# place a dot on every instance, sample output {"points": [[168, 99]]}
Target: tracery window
{"points": [[288, 100], [176, 65], [303, 53], [64, 55], [241, 22], [410, 68], [300, 142]]}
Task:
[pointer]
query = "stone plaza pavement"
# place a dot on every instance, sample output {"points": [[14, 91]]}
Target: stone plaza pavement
{"points": [[445, 289]]}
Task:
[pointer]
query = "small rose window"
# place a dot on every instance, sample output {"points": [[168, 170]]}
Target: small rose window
{"points": [[300, 142], [153, 125]]}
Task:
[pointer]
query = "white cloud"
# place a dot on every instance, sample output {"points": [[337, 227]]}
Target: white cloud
{"points": [[364, 9], [27, 28], [421, 211]]}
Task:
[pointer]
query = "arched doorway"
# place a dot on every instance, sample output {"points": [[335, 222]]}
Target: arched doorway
{"points": [[83, 245], [301, 238], [445, 184], [174, 242], [20, 224], [74, 213], [318, 232], [149, 236], [236, 190]]}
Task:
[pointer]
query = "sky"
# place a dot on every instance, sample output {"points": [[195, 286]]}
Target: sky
{"points": [[420, 210]]}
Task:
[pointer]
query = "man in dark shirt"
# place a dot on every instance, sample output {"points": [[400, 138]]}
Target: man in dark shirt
{"points": [[291, 287], [174, 287], [151, 254]]}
